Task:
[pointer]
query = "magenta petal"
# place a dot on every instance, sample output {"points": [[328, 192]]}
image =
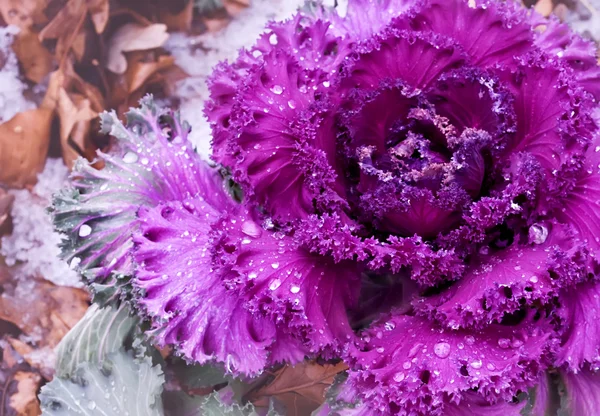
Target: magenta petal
{"points": [[412, 365], [186, 298], [151, 162], [308, 293], [415, 58], [538, 116], [581, 337], [363, 19], [265, 144], [491, 35], [582, 393], [581, 207], [473, 99], [511, 278], [475, 405]]}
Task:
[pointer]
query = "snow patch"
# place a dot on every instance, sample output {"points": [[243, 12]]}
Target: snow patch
{"points": [[33, 246]]}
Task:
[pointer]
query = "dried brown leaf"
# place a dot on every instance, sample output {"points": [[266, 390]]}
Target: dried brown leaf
{"points": [[23, 13], [24, 143], [235, 7], [301, 389], [24, 400], [139, 71], [75, 115], [66, 20], [179, 22], [45, 312], [100, 13], [544, 7], [34, 58], [133, 37], [6, 201], [19, 385]]}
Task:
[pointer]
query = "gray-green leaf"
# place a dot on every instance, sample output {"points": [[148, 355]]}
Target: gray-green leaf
{"points": [[99, 333], [122, 386]]}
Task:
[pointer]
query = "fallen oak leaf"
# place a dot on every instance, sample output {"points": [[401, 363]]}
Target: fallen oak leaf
{"points": [[24, 144], [139, 70], [75, 115], [24, 400], [544, 7], [25, 140], [42, 360], [235, 7], [133, 37], [180, 21], [6, 201], [99, 13], [301, 388], [23, 13], [44, 312], [34, 58], [18, 385]]}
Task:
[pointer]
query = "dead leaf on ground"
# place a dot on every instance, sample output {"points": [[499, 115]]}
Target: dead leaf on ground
{"points": [[34, 58], [25, 140], [6, 201], [133, 37], [544, 7], [301, 389], [235, 7], [24, 146], [75, 114], [19, 385], [43, 312], [25, 400], [23, 13], [100, 13], [181, 21]]}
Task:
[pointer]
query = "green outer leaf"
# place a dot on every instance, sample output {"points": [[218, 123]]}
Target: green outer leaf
{"points": [[195, 376], [99, 333], [208, 7], [122, 386], [213, 405]]}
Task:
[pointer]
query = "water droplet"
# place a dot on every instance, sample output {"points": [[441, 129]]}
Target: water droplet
{"points": [[275, 284], [294, 289], [407, 365], [380, 350], [130, 157], [389, 326], [144, 161], [252, 275], [326, 84], [246, 241], [538, 234], [398, 377], [533, 279], [504, 342], [476, 364], [277, 89], [75, 262], [275, 265], [441, 349], [292, 104], [273, 39], [85, 230], [491, 367], [469, 340]]}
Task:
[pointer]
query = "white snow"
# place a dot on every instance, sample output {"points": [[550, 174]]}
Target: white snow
{"points": [[33, 245], [198, 62], [11, 86]]}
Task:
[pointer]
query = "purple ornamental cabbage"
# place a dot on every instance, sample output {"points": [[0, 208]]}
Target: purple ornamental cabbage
{"points": [[413, 188]]}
